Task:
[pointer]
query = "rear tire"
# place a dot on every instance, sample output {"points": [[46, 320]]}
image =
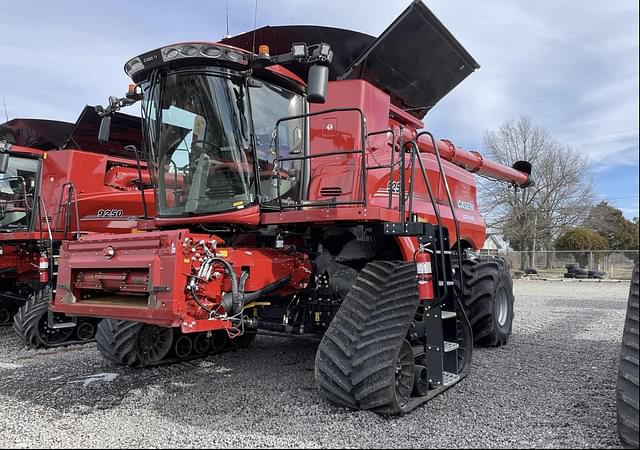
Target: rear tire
{"points": [[627, 388], [358, 358], [488, 300]]}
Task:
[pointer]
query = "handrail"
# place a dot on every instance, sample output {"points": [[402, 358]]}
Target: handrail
{"points": [[451, 205], [436, 210], [46, 219], [362, 151]]}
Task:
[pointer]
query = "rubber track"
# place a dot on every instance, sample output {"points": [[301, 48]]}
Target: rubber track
{"points": [[25, 321], [117, 342], [627, 388], [480, 278], [25, 325], [355, 361]]}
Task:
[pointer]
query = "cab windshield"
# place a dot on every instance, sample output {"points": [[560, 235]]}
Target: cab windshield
{"points": [[199, 139], [17, 193]]}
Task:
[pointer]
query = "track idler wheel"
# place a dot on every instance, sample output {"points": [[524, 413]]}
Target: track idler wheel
{"points": [[201, 344], [364, 360], [32, 326], [86, 330], [183, 346], [219, 341]]}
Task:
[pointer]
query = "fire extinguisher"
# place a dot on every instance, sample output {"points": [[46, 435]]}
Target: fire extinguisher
{"points": [[425, 277], [43, 267]]}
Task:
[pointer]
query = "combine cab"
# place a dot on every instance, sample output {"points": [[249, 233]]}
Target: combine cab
{"points": [[313, 209], [58, 182]]}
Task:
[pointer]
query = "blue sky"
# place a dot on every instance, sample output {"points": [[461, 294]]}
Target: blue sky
{"points": [[572, 66]]}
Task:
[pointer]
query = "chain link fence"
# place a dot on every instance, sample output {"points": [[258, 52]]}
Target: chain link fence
{"points": [[616, 264]]}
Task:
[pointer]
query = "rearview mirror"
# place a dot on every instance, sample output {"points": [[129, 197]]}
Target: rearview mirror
{"points": [[317, 82], [105, 129], [4, 162]]}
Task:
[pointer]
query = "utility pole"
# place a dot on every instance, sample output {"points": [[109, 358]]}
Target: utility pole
{"points": [[535, 229]]}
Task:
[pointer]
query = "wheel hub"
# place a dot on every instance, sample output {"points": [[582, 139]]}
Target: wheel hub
{"points": [[502, 306], [154, 343], [53, 336], [404, 374]]}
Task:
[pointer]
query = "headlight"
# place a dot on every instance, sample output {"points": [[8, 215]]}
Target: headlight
{"points": [[214, 52]]}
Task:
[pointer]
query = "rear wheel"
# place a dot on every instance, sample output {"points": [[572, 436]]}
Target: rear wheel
{"points": [[31, 323], [364, 360], [627, 389], [488, 300]]}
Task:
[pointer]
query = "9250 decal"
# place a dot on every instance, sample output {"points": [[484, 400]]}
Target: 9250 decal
{"points": [[110, 213]]}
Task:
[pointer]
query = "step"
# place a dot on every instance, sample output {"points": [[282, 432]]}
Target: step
{"points": [[448, 315], [449, 378], [450, 346]]}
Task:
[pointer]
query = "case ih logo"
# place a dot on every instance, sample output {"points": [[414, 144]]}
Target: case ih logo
{"points": [[465, 205]]}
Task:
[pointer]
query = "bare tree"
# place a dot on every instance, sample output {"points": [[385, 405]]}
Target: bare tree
{"points": [[532, 218]]}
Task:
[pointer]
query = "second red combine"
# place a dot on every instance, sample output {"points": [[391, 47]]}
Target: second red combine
{"points": [[58, 182], [307, 209]]}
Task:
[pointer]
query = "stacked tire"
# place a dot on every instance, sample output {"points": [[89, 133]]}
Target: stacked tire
{"points": [[575, 271]]}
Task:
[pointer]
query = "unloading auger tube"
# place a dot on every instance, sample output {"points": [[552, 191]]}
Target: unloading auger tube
{"points": [[519, 174]]}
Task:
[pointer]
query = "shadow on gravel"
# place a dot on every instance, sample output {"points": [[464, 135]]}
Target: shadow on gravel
{"points": [[548, 387], [78, 379]]}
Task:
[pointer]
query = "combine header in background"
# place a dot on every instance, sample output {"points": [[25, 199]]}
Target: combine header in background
{"points": [[304, 209], [58, 182]]}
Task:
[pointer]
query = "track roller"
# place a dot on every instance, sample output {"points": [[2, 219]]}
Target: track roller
{"points": [[183, 346]]}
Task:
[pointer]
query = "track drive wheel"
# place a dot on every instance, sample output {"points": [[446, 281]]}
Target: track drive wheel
{"points": [[31, 323], [488, 300], [364, 360], [132, 343], [627, 388]]}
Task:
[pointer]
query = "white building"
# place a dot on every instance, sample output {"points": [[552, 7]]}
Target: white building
{"points": [[494, 245]]}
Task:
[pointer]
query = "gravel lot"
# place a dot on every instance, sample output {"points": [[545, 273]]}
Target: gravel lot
{"points": [[552, 386]]}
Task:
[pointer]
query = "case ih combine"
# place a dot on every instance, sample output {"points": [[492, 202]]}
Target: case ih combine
{"points": [[308, 210], [56, 182]]}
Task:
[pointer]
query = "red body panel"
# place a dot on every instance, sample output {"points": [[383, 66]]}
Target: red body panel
{"points": [[146, 277], [158, 262], [108, 201]]}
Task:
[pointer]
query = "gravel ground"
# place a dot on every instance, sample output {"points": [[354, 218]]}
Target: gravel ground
{"points": [[552, 386]]}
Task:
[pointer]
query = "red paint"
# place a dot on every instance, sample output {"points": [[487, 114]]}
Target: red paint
{"points": [[162, 261], [101, 182]]}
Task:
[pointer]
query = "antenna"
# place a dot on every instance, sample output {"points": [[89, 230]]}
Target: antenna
{"points": [[255, 23], [227, 35], [4, 102]]}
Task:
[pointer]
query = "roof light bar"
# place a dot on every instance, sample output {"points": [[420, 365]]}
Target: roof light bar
{"points": [[184, 51]]}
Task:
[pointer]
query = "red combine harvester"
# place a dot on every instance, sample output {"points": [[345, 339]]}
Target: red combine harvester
{"points": [[279, 216], [57, 182]]}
